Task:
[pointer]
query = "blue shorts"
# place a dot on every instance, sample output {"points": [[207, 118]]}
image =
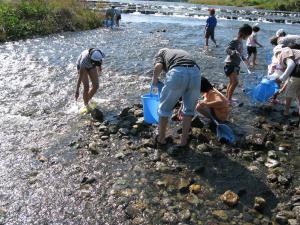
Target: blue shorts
{"points": [[181, 81]]}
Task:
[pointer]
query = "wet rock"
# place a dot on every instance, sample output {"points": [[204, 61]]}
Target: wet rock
{"points": [[97, 115], [195, 188], [287, 214], [184, 215], [272, 155], [220, 214], [113, 129], [41, 158], [119, 155], [138, 221], [170, 217], [204, 148], [248, 155], [272, 163], [183, 185], [282, 220], [124, 131], [138, 113], [297, 190], [87, 180], [193, 199], [93, 148], [295, 199], [197, 123], [269, 145], [293, 222], [124, 112], [296, 210], [256, 140], [230, 198], [283, 180], [132, 211], [104, 138], [272, 178], [259, 203], [284, 147]]}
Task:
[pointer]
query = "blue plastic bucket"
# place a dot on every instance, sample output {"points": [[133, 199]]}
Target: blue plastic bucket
{"points": [[150, 106], [264, 90], [109, 23]]}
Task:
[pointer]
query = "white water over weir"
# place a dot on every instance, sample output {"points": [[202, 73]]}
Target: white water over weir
{"points": [[191, 10]]}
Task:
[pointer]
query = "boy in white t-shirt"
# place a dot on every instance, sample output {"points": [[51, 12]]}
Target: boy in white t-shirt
{"points": [[252, 45]]}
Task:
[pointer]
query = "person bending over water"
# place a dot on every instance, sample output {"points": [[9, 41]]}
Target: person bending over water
{"points": [[182, 80], [286, 40], [89, 64], [214, 102], [234, 52]]}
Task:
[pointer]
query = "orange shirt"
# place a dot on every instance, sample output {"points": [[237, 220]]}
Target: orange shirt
{"points": [[222, 111]]}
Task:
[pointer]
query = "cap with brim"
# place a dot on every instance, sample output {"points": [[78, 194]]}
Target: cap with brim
{"points": [[97, 56]]}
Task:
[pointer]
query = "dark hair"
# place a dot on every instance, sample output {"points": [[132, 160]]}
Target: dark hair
{"points": [[245, 30], [274, 40], [255, 28], [205, 85], [212, 12]]}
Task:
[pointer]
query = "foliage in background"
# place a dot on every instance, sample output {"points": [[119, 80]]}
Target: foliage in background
{"points": [[23, 19], [284, 5]]}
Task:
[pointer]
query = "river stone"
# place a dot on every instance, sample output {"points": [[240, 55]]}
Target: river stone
{"points": [[183, 185], [220, 214], [296, 210], [230, 198], [138, 113], [293, 222], [170, 217], [284, 147], [259, 203], [272, 178], [269, 145], [288, 214], [193, 199], [281, 220], [41, 158], [104, 137], [204, 148], [138, 221], [97, 115], [272, 155], [195, 188], [184, 215], [297, 190], [272, 163], [119, 155], [283, 180], [131, 211], [124, 131]]}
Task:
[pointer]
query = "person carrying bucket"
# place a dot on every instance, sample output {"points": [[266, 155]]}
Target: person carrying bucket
{"points": [[183, 79], [89, 64], [289, 60]]}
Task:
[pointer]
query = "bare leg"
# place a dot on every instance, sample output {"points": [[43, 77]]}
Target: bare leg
{"points": [[186, 124], [254, 58], [162, 128], [206, 42], [95, 83], [288, 102], [233, 82], [86, 87]]}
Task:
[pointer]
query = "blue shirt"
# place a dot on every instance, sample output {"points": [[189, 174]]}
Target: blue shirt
{"points": [[211, 22]]}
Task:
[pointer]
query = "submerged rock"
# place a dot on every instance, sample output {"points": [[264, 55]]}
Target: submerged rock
{"points": [[97, 115], [230, 198], [195, 188], [170, 217], [259, 203], [220, 214], [272, 163]]}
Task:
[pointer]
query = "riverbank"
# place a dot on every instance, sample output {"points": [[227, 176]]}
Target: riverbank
{"points": [[261, 4], [26, 19]]}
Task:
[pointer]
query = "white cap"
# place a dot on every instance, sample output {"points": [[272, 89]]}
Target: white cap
{"points": [[256, 25], [97, 55], [279, 32], [277, 49]]}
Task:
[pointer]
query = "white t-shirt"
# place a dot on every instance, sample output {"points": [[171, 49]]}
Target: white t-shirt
{"points": [[252, 39]]}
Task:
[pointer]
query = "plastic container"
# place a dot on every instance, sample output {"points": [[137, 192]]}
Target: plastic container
{"points": [[150, 106], [264, 90], [109, 23]]}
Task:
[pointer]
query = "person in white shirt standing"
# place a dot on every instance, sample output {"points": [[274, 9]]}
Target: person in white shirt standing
{"points": [[252, 45]]}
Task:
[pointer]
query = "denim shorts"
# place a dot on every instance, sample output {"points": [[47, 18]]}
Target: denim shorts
{"points": [[182, 82]]}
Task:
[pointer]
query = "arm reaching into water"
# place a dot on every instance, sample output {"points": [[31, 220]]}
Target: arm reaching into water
{"points": [[157, 70]]}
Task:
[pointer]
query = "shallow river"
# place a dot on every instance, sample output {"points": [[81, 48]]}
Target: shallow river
{"points": [[39, 114]]}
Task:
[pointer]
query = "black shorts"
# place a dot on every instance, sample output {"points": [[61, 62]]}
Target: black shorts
{"points": [[229, 69], [118, 17], [210, 33], [251, 50]]}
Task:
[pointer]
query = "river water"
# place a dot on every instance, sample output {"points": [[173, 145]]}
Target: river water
{"points": [[40, 116]]}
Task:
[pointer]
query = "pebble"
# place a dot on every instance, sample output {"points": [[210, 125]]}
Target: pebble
{"points": [[193, 199], [296, 210], [293, 222], [131, 211], [272, 155], [103, 138], [272, 163], [259, 203], [169, 218], [272, 178], [195, 188], [183, 185], [281, 220], [41, 158], [119, 155], [284, 147], [220, 214], [230, 198], [184, 215]]}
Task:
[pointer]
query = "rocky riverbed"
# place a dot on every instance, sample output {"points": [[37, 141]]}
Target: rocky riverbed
{"points": [[57, 167]]}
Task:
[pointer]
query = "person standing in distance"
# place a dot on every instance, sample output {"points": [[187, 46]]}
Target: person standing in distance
{"points": [[183, 79], [89, 64], [211, 24]]}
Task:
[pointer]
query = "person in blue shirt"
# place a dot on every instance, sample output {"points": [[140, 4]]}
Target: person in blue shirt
{"points": [[211, 24]]}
